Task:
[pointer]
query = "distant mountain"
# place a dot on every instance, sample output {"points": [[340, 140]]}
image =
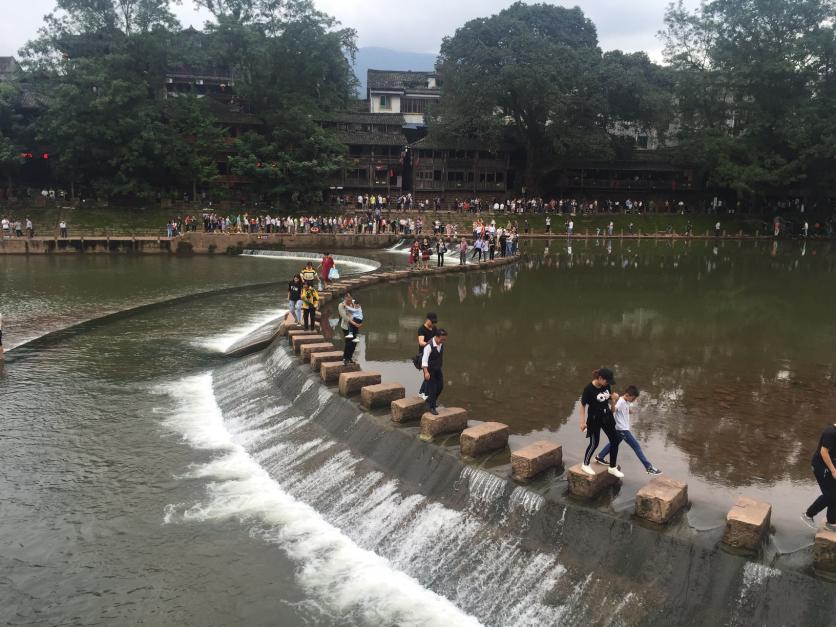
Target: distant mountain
{"points": [[386, 59]]}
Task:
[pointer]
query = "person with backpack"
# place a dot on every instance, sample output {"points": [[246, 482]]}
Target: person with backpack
{"points": [[426, 332]]}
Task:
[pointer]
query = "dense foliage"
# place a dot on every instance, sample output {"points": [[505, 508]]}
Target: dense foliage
{"points": [[747, 95], [533, 76], [112, 130], [756, 87]]}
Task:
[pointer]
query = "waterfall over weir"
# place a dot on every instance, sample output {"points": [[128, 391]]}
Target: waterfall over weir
{"points": [[390, 530]]}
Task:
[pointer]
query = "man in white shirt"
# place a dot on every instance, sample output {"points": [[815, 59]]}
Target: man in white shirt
{"points": [[432, 361], [622, 426]]}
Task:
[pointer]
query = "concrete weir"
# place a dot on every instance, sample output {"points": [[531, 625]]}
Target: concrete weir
{"points": [[683, 575]]}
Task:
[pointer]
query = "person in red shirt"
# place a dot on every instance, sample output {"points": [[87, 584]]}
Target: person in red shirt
{"points": [[325, 267]]}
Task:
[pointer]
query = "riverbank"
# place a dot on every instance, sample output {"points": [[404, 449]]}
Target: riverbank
{"points": [[90, 220], [234, 243]]}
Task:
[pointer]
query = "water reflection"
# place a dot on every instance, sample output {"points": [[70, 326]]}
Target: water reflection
{"points": [[731, 344]]}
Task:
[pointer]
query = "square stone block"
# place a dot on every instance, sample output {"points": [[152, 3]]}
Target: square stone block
{"points": [[330, 372], [747, 523], [287, 326], [300, 340], [484, 438], [448, 420], [381, 395], [824, 552], [353, 382], [406, 409], [296, 331], [661, 499], [317, 347], [531, 460], [317, 359], [589, 486]]}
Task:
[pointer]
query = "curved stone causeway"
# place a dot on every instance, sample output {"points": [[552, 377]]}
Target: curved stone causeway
{"points": [[663, 571]]}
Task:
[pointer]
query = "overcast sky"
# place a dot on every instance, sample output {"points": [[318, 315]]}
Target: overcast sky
{"points": [[409, 26]]}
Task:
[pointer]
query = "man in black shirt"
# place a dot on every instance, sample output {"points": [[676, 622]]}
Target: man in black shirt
{"points": [[426, 332], [824, 469]]}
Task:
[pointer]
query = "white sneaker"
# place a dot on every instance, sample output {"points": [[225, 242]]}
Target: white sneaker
{"points": [[615, 472], [356, 340], [587, 469], [349, 335], [422, 395]]}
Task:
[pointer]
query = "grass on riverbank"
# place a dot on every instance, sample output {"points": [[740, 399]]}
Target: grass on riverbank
{"points": [[151, 221]]}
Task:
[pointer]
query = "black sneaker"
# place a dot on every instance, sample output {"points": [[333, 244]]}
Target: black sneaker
{"points": [[601, 461], [434, 411], [654, 471], [808, 520]]}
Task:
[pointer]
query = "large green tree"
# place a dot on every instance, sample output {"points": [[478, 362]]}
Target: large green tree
{"points": [[533, 76], [755, 87], [293, 61]]}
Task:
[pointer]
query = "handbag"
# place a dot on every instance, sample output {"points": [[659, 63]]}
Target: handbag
{"points": [[333, 273], [416, 361]]}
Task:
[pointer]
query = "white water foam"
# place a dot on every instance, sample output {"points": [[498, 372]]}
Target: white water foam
{"points": [[338, 573], [221, 343], [364, 265]]}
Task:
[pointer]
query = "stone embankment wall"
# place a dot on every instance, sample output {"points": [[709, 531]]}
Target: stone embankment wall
{"points": [[193, 243]]}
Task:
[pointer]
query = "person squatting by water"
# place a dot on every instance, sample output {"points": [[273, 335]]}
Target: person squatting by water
{"points": [[622, 424], [426, 332], [294, 298], [346, 326], [432, 362], [824, 470], [596, 415], [310, 302]]}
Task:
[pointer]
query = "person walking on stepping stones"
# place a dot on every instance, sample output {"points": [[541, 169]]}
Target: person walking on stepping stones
{"points": [[597, 403], [824, 469], [346, 326], [431, 363]]}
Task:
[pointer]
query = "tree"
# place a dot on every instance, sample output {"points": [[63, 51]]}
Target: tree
{"points": [[11, 133], [753, 79], [525, 75]]}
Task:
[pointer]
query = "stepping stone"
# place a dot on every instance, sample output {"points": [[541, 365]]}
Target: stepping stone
{"points": [[531, 460], [352, 382], [406, 409], [590, 486], [484, 438], [285, 327], [310, 349], [296, 332], [747, 523], [381, 395], [301, 340], [824, 552], [661, 499], [317, 359], [330, 372], [448, 420]]}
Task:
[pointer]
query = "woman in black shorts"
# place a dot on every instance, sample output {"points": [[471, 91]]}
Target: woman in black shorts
{"points": [[597, 401]]}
